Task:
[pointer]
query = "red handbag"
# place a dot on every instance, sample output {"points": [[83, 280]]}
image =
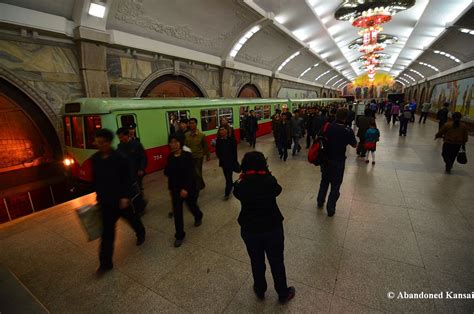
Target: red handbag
{"points": [[369, 145]]}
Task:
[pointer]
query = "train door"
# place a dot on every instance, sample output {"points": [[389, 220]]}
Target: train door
{"points": [[173, 117], [129, 120]]}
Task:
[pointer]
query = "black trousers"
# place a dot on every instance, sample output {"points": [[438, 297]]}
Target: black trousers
{"points": [[228, 180], [361, 146], [283, 150], [394, 118], [271, 244], [332, 173], [423, 116], [252, 138], [449, 153], [110, 215], [178, 201], [403, 126], [412, 119], [441, 123]]}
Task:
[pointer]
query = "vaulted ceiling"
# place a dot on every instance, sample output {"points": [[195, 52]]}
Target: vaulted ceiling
{"points": [[297, 40]]}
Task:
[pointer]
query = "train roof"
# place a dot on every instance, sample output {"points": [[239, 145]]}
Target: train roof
{"points": [[107, 105]]}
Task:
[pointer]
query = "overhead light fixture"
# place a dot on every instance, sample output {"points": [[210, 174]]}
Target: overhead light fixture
{"points": [[337, 82], [321, 75], [410, 77], [415, 71], [400, 83], [308, 69], [447, 55], [466, 31], [404, 80], [332, 78], [288, 60], [429, 66], [243, 40], [97, 9]]}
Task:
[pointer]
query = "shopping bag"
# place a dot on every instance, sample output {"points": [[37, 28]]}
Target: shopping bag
{"points": [[90, 217], [462, 158]]}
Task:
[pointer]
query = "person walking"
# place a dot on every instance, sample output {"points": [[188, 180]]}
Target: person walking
{"points": [[363, 124], [442, 115], [261, 224], [225, 123], [284, 136], [332, 172], [196, 141], [350, 117], [412, 108], [275, 122], [226, 151], [252, 128], [136, 156], [111, 179], [372, 136], [395, 112], [388, 112], [182, 185], [425, 110], [297, 129], [455, 135], [405, 117]]}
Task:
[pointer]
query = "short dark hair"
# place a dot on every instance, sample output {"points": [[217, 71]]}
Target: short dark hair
{"points": [[176, 137], [254, 161], [105, 134], [122, 131], [342, 114], [184, 120], [446, 104], [193, 119], [251, 111]]}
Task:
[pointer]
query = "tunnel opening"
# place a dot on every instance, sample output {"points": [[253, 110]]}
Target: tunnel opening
{"points": [[31, 173], [172, 86], [249, 91]]}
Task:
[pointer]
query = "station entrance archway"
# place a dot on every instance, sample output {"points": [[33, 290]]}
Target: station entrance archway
{"points": [[249, 91], [170, 85]]}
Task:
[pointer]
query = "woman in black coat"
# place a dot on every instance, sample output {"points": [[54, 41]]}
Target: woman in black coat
{"points": [[261, 224], [226, 151], [284, 135], [182, 185]]}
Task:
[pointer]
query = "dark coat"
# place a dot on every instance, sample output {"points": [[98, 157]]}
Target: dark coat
{"points": [[111, 178], [226, 151], [252, 124], [135, 154], [259, 210], [180, 172], [284, 133]]}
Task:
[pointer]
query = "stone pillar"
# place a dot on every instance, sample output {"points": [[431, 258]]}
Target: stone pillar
{"points": [[93, 65]]}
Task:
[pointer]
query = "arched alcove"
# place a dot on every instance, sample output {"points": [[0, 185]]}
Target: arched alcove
{"points": [[324, 95], [422, 96], [249, 91], [170, 85]]}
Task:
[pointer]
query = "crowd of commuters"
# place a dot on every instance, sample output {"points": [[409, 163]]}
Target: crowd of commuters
{"points": [[118, 174]]}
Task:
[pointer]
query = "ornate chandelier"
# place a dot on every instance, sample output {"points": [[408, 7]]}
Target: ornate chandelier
{"points": [[369, 15]]}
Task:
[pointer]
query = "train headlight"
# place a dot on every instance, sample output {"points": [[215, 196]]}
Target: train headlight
{"points": [[68, 162]]}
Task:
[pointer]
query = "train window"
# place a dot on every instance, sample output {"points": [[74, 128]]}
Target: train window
{"points": [[127, 120], [226, 113], [93, 123], [174, 117], [259, 112], [266, 112], [277, 107], [242, 111], [67, 130], [208, 119], [77, 131]]}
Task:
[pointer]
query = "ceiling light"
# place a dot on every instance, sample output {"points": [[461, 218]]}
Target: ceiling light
{"points": [[243, 40], [410, 77], [337, 82], [415, 71], [447, 55], [308, 69], [466, 31], [429, 66], [332, 78], [321, 75], [97, 10], [288, 60], [405, 80]]}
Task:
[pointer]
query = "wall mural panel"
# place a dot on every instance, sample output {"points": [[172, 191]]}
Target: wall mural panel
{"points": [[457, 93]]}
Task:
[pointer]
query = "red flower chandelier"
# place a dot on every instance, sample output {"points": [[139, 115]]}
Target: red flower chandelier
{"points": [[369, 15]]}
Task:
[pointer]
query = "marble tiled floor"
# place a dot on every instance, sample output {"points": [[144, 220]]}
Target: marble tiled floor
{"points": [[402, 225]]}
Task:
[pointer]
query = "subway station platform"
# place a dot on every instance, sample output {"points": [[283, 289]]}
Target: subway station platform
{"points": [[402, 225]]}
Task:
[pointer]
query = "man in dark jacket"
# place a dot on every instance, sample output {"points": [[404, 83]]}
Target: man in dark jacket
{"points": [[297, 130], [112, 183], [442, 115], [338, 137], [226, 151], [284, 136], [252, 128]]}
